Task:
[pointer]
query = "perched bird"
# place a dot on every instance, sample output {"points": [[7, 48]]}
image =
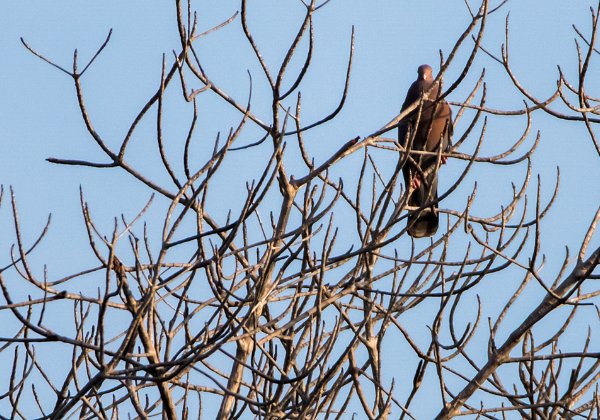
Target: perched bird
{"points": [[428, 128]]}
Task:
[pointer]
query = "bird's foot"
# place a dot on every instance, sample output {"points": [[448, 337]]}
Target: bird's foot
{"points": [[416, 182]]}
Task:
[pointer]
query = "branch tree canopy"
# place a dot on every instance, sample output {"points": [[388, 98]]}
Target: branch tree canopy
{"points": [[276, 269]]}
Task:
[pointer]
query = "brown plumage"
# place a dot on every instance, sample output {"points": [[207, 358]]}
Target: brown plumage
{"points": [[428, 128]]}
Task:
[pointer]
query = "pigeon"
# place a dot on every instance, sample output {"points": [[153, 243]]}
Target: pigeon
{"points": [[428, 128]]}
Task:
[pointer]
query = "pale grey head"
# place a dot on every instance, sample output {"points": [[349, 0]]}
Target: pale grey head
{"points": [[425, 72]]}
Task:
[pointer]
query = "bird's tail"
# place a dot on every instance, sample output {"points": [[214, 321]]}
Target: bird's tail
{"points": [[423, 223]]}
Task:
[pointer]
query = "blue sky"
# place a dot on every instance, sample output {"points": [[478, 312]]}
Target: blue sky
{"points": [[39, 117]]}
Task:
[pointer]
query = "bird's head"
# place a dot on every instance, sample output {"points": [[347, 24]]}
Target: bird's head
{"points": [[425, 72]]}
